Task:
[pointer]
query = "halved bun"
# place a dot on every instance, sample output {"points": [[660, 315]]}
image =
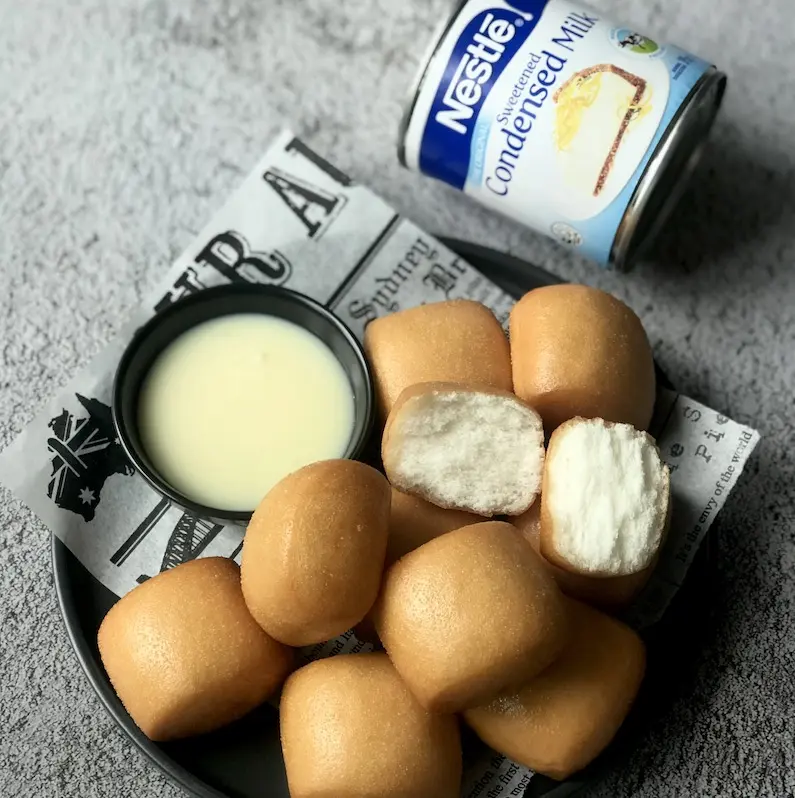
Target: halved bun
{"points": [[456, 341], [564, 718], [474, 449], [605, 499], [184, 655], [469, 615], [578, 351], [350, 727], [314, 551], [611, 594]]}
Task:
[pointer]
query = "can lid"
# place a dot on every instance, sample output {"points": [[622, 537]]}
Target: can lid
{"points": [[669, 170], [410, 100]]}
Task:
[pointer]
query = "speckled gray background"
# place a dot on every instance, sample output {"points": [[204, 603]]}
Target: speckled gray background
{"points": [[124, 124]]}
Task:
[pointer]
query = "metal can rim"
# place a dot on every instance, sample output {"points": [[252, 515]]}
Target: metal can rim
{"points": [[415, 87], [626, 245]]}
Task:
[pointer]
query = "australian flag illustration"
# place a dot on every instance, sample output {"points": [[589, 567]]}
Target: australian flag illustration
{"points": [[85, 452]]}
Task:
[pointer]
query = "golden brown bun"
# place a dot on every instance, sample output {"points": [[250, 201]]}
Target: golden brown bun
{"points": [[610, 594], [184, 655], [413, 522], [314, 551], [456, 341], [578, 351], [565, 717], [469, 615], [351, 728]]}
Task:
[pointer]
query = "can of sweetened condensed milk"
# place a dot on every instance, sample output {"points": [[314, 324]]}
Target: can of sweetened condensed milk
{"points": [[555, 116]]}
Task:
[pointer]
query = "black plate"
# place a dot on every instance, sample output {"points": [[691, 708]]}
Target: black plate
{"points": [[244, 760]]}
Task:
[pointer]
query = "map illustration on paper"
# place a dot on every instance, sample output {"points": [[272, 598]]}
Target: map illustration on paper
{"points": [[85, 452]]}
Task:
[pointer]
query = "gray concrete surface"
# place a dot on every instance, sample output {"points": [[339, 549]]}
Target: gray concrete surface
{"points": [[124, 124]]}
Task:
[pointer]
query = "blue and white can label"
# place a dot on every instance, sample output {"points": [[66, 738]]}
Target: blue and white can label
{"points": [[547, 112]]}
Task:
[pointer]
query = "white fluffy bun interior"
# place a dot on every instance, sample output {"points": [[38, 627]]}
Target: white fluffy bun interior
{"points": [[607, 497], [470, 450]]}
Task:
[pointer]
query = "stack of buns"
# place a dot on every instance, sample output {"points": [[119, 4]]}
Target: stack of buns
{"points": [[480, 619]]}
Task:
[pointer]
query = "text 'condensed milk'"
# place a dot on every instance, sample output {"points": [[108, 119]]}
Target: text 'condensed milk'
{"points": [[238, 402]]}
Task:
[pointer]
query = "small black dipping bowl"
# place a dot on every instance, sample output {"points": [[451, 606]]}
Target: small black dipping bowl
{"points": [[212, 303]]}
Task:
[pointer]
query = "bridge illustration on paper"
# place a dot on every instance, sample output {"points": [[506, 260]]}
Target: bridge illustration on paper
{"points": [[189, 538]]}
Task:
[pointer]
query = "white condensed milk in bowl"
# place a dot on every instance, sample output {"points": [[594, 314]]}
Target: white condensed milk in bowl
{"points": [[555, 116], [225, 393]]}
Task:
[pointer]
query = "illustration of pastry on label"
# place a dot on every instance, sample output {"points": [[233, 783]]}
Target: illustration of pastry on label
{"points": [[595, 110]]}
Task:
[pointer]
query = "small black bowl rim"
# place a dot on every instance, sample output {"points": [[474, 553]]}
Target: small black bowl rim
{"points": [[210, 295]]}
